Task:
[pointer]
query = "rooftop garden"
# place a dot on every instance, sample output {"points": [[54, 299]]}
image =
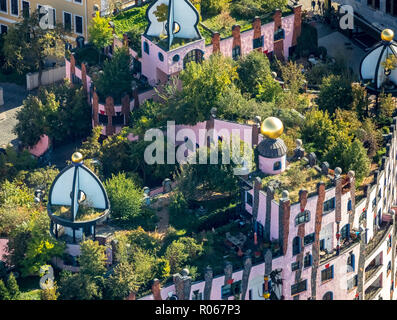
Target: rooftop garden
{"points": [[85, 213], [298, 176], [215, 16]]}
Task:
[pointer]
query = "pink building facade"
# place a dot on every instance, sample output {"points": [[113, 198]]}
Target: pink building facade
{"points": [[335, 245]]}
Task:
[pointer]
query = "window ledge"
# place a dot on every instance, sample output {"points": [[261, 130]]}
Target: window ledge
{"points": [[326, 281]]}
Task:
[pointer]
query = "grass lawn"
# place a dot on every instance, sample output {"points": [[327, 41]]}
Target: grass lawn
{"points": [[129, 19]]}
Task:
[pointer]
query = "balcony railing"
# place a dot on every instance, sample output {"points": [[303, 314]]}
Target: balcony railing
{"points": [[371, 271], [346, 245], [379, 238], [371, 292]]}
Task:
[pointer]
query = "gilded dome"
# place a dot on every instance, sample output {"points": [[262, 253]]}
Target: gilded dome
{"points": [[272, 128], [387, 35]]}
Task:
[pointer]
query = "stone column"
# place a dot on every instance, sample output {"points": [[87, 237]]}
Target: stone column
{"points": [[352, 181], [84, 77], [216, 42], [269, 198], [257, 188], [256, 25], [72, 66], [316, 243], [278, 45], [246, 274], [255, 134], [156, 289], [95, 109], [125, 109], [284, 216], [236, 37], [297, 24], [110, 129], [208, 276], [228, 270], [183, 284]]}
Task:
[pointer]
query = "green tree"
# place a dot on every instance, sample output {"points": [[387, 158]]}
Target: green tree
{"points": [[4, 294], [176, 255], [100, 34], [49, 294], [92, 258], [293, 77], [203, 84], [26, 52], [387, 106], [122, 282], [254, 72], [78, 286], [335, 92], [12, 287], [61, 112], [115, 79], [161, 14], [179, 252], [125, 197], [360, 101], [211, 8]]}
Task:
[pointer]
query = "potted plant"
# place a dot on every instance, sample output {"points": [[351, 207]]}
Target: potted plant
{"points": [[389, 65]]}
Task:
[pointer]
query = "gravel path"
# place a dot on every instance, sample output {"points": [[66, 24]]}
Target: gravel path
{"points": [[13, 98]]}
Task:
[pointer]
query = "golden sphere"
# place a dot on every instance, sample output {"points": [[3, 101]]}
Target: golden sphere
{"points": [[387, 35], [272, 128], [77, 157], [266, 295]]}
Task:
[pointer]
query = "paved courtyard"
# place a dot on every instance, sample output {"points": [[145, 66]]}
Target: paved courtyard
{"points": [[13, 98]]}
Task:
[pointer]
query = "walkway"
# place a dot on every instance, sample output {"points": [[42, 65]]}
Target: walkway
{"points": [[13, 98]]}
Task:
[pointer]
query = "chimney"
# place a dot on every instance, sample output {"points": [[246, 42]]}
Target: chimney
{"points": [[216, 42], [156, 288]]}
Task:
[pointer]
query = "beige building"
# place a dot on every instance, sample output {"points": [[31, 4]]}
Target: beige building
{"points": [[75, 15]]}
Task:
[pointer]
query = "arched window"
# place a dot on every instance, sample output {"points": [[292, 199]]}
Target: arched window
{"points": [[277, 166], [302, 217], [351, 262], [345, 231], [146, 47], [349, 205], [195, 55], [161, 56], [328, 296], [296, 246]]}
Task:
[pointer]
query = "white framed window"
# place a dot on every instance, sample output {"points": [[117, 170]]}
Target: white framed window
{"points": [[67, 21], [3, 29], [26, 8], [52, 16], [78, 24], [3, 6], [14, 8]]}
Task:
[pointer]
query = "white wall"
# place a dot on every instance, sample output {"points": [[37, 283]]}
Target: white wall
{"points": [[49, 76]]}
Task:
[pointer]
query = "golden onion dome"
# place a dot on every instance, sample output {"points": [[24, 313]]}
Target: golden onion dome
{"points": [[77, 157], [387, 35], [272, 128]]}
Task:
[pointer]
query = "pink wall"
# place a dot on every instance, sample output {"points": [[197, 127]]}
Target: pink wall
{"points": [[41, 147], [288, 26], [266, 165]]}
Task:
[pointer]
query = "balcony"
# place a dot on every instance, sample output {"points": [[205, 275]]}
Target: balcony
{"points": [[379, 238], [371, 292], [371, 271], [345, 246]]}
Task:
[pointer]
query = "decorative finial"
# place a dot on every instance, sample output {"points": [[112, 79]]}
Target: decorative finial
{"points": [[77, 157], [272, 127], [387, 35]]}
